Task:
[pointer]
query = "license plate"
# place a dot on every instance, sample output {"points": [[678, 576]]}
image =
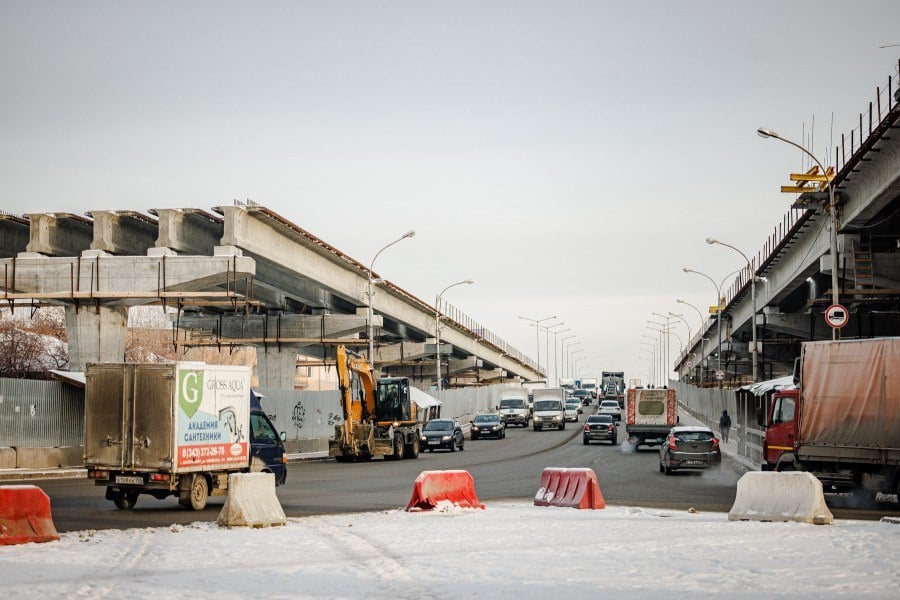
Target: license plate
{"points": [[129, 480], [433, 442], [693, 462]]}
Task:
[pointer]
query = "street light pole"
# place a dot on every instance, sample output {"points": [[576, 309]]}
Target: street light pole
{"points": [[537, 334], [369, 316], [654, 374], [752, 272], [555, 361], [437, 330], [699, 314], [571, 372], [547, 330], [835, 292], [562, 350]]}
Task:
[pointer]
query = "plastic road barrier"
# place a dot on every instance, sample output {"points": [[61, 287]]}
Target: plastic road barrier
{"points": [[25, 515], [434, 487], [251, 502], [574, 488], [785, 496]]}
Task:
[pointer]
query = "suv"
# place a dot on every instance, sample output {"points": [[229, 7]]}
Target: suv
{"points": [[583, 396], [611, 408], [513, 411]]}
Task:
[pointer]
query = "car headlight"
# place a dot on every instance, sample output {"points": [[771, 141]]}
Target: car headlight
{"points": [[496, 427], [474, 428], [424, 439], [557, 418], [446, 438]]}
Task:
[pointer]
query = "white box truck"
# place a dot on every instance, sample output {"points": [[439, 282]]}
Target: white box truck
{"points": [[172, 429], [548, 408]]}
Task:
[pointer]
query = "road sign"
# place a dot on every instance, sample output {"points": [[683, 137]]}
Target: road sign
{"points": [[720, 375], [836, 316]]}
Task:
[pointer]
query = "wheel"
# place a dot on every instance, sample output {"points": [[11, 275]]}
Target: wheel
{"points": [[412, 448], [536, 428], [398, 447], [196, 497], [667, 470], [452, 445], [503, 435], [462, 445], [562, 426], [126, 499], [474, 436], [661, 469], [585, 441]]}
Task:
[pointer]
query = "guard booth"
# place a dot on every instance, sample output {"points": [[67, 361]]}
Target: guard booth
{"points": [[429, 407]]}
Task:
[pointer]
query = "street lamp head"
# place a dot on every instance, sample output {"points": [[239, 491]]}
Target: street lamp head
{"points": [[408, 234], [766, 133], [469, 281], [712, 241], [687, 270]]}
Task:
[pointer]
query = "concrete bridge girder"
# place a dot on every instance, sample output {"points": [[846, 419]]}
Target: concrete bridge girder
{"points": [[59, 234], [409, 351], [274, 329], [14, 233], [123, 232], [188, 230]]}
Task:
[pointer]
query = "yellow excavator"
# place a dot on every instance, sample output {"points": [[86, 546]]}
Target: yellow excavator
{"points": [[378, 421]]}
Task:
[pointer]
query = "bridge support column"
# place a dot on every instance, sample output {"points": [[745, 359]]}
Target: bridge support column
{"points": [[95, 334], [276, 367]]}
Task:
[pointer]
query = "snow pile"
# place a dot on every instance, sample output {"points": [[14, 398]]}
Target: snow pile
{"points": [[508, 550]]}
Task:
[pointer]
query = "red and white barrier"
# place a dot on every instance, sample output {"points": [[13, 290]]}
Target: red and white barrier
{"points": [[25, 515], [573, 488], [433, 487]]}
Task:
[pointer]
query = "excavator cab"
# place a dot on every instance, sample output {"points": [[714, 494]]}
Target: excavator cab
{"points": [[392, 400]]}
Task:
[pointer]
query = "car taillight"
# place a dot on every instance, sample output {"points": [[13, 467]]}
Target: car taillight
{"points": [[715, 444], [612, 427], [587, 427], [672, 445]]}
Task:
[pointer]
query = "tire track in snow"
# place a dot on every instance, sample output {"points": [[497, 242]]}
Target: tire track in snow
{"points": [[124, 563]]}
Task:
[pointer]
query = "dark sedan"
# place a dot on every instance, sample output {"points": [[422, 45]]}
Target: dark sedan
{"points": [[443, 433], [488, 426], [600, 427], [689, 447]]}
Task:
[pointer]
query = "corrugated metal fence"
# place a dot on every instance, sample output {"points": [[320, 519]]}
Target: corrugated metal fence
{"points": [[40, 414]]}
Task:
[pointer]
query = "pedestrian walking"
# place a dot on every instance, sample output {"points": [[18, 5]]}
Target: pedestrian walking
{"points": [[724, 425]]}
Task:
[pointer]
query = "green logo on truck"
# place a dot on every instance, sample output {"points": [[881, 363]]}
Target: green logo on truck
{"points": [[190, 391]]}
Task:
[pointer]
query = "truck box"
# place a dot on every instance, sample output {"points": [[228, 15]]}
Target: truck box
{"points": [[174, 418], [650, 414], [850, 395]]}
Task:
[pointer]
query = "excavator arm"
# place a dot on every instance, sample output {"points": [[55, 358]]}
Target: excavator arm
{"points": [[362, 407]]}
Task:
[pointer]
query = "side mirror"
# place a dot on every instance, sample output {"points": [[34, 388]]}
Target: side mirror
{"points": [[761, 418], [283, 436]]}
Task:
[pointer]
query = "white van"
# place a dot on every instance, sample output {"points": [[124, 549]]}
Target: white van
{"points": [[549, 408], [513, 408]]}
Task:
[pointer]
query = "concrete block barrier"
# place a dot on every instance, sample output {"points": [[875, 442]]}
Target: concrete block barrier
{"points": [[434, 487], [7, 458], [71, 456], [25, 515], [573, 488], [37, 458], [786, 496], [251, 502]]}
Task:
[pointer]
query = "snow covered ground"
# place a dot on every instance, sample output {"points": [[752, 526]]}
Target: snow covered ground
{"points": [[511, 549]]}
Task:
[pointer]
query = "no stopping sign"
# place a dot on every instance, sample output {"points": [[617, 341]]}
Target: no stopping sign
{"points": [[836, 316]]}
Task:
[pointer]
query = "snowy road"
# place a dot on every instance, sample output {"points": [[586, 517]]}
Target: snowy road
{"points": [[511, 549]]}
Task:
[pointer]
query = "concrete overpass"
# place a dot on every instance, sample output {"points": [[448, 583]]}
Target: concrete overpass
{"points": [[794, 266], [240, 275]]}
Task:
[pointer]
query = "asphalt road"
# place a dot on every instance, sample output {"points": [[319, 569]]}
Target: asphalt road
{"points": [[502, 469]]}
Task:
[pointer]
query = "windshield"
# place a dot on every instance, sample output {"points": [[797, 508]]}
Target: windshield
{"points": [[487, 419], [580, 393], [439, 426], [512, 403], [693, 436], [609, 404], [600, 419], [547, 405]]}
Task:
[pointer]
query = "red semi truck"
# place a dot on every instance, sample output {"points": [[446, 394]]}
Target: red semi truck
{"points": [[842, 422]]}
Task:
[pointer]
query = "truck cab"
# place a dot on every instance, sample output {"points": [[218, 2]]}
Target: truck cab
{"points": [[781, 427], [267, 453]]}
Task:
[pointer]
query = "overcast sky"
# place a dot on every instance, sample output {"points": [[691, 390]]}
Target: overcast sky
{"points": [[570, 157]]}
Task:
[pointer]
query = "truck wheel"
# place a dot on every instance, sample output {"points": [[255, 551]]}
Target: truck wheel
{"points": [[412, 449], [536, 428], [196, 497], [126, 499]]}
